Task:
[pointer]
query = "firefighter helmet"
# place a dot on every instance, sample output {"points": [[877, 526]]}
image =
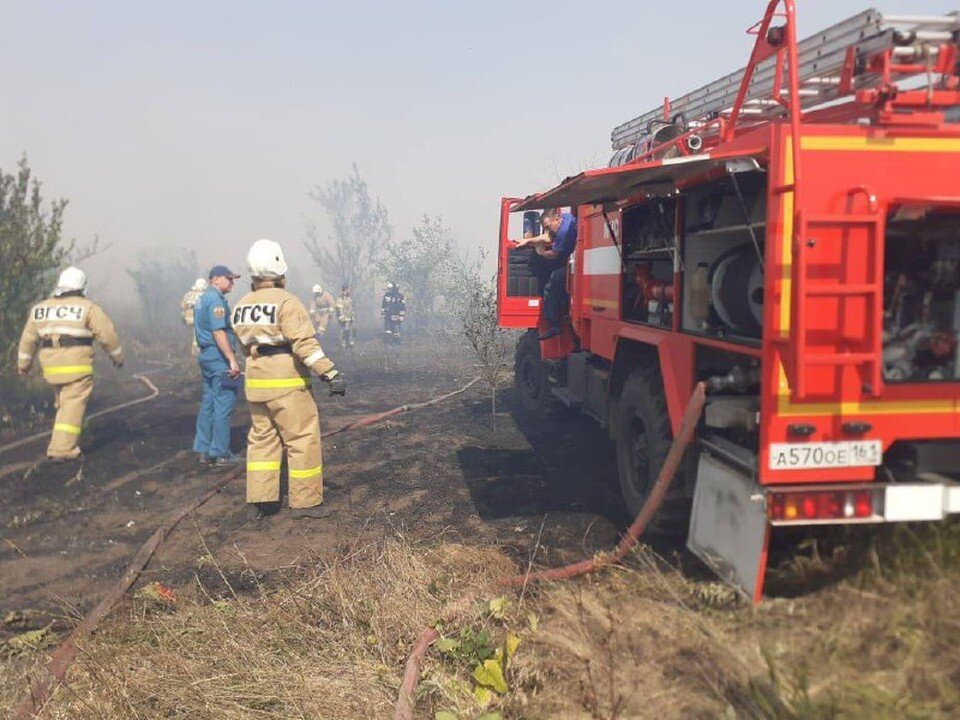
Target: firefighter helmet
{"points": [[199, 284], [265, 259], [317, 289], [73, 279]]}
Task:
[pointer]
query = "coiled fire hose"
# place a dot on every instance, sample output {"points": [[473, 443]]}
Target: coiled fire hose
{"points": [[691, 417], [63, 657]]}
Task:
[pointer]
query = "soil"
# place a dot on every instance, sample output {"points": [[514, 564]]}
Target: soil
{"points": [[454, 471]]}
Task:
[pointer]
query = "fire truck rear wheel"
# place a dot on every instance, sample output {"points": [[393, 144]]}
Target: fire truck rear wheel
{"points": [[530, 378], [643, 440]]}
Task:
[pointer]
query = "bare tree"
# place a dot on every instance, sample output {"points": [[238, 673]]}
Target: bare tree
{"points": [[418, 264], [473, 295], [161, 282], [80, 253], [360, 234]]}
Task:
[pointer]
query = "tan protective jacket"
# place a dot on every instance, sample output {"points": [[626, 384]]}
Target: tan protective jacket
{"points": [[344, 308], [322, 304], [53, 324], [273, 316], [188, 303]]}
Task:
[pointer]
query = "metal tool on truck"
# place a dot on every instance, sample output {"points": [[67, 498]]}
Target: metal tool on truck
{"points": [[789, 234]]}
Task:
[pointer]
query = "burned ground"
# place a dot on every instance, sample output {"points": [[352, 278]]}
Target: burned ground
{"points": [[427, 505], [452, 471]]}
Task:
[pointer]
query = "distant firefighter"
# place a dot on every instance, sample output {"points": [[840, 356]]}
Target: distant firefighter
{"points": [[346, 318], [282, 350], [322, 307], [187, 304], [64, 328], [393, 309], [189, 301]]}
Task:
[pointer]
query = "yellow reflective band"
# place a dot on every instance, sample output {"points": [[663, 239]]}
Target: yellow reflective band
{"points": [[881, 144], [277, 382], [255, 465], [67, 369], [300, 474], [63, 427]]}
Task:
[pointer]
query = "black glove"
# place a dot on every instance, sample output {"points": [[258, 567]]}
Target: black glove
{"points": [[334, 378]]}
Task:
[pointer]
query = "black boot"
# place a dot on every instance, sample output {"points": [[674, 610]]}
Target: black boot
{"points": [[258, 511]]}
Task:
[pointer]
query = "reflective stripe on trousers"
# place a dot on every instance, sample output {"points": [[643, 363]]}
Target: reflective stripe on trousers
{"points": [[71, 401], [51, 370], [290, 422], [273, 383]]}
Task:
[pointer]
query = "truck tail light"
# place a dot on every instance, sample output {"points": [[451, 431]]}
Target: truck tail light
{"points": [[819, 505]]}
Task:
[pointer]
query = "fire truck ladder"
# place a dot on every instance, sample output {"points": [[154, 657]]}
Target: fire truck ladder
{"points": [[830, 65], [870, 354]]}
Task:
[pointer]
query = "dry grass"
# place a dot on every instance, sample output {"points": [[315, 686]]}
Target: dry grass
{"points": [[638, 642], [329, 643]]}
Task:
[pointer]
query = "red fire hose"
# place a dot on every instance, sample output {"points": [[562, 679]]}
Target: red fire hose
{"points": [[691, 416], [63, 657]]}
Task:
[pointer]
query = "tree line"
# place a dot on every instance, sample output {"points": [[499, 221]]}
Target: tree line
{"points": [[360, 249]]}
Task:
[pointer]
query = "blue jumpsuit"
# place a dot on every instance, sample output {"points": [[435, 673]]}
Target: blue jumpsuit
{"points": [[216, 405]]}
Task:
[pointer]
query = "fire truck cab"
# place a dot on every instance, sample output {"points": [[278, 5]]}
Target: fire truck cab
{"points": [[789, 235]]}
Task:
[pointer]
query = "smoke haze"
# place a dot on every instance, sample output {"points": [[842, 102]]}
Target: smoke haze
{"points": [[205, 125]]}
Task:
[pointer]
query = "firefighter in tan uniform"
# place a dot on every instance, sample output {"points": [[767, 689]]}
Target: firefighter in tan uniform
{"points": [[187, 304], [281, 350], [321, 308], [64, 328], [189, 301], [345, 316]]}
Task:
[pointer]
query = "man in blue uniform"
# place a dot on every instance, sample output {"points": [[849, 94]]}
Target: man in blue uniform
{"points": [[218, 368], [554, 247]]}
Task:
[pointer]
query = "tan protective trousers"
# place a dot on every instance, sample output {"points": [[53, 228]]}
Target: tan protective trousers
{"points": [[290, 422], [323, 320], [347, 334], [71, 402]]}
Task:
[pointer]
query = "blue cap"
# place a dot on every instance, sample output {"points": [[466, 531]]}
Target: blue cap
{"points": [[222, 271]]}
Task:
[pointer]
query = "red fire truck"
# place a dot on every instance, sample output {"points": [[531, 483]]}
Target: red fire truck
{"points": [[790, 235]]}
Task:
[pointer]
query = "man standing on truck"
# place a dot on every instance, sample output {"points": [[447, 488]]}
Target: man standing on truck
{"points": [[554, 247]]}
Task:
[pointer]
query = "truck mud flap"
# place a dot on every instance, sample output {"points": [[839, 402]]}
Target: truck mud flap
{"points": [[728, 528]]}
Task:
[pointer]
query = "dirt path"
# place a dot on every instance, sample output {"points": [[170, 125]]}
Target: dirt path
{"points": [[442, 472]]}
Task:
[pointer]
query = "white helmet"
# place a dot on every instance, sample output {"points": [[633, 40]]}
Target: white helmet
{"points": [[71, 280], [200, 284], [265, 259], [317, 289]]}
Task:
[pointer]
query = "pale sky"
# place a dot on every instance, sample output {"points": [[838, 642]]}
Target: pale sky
{"points": [[206, 124]]}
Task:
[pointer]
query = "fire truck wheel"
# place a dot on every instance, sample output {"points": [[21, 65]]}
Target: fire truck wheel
{"points": [[643, 440], [530, 378]]}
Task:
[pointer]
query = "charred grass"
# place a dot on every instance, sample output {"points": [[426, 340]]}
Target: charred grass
{"points": [[640, 641]]}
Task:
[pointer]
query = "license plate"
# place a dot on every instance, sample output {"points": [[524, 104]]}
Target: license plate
{"points": [[803, 456]]}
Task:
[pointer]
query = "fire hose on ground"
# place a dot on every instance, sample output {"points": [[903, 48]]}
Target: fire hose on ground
{"points": [[63, 657], [691, 417], [154, 392]]}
